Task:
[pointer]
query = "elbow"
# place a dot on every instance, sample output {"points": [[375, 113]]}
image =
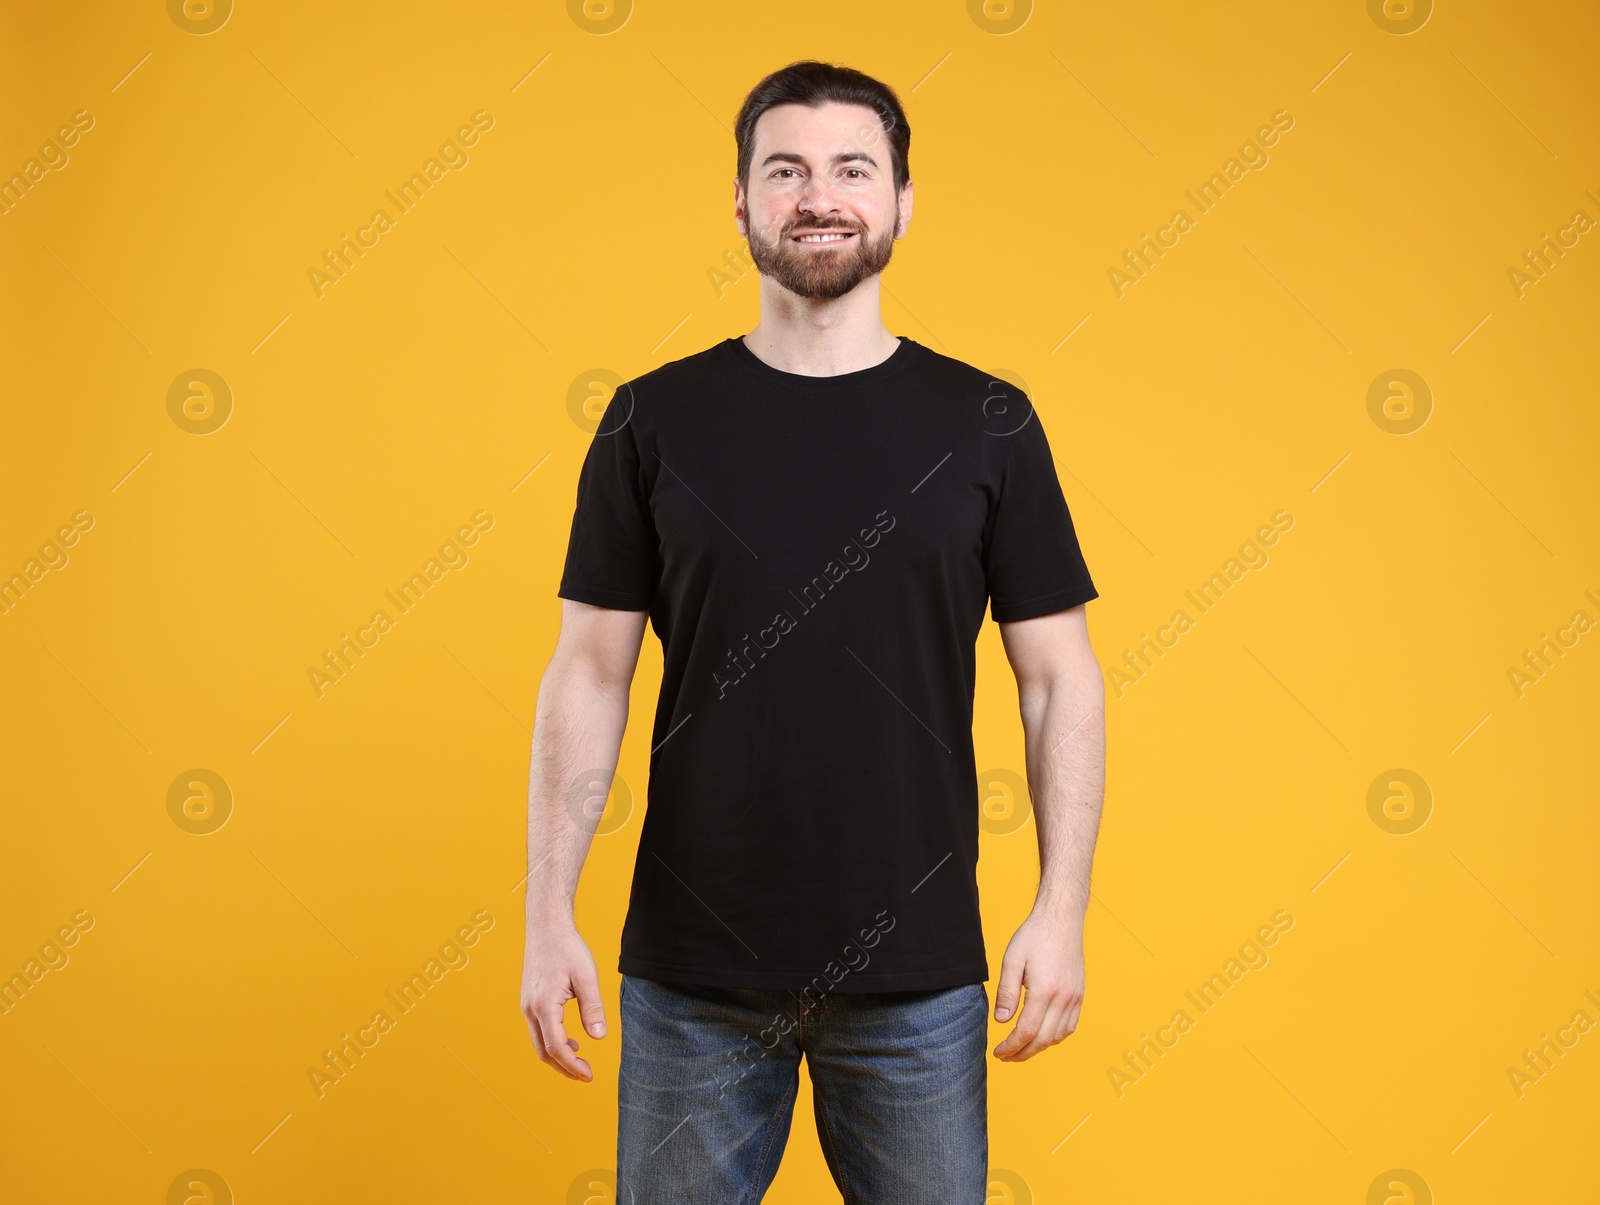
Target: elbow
{"points": [[584, 678], [1081, 682], [1074, 669]]}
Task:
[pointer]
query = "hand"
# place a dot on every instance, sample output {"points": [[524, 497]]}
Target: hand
{"points": [[1045, 956], [557, 967]]}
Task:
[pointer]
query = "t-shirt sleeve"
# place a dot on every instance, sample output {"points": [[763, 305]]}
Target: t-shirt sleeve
{"points": [[1032, 560], [613, 551]]}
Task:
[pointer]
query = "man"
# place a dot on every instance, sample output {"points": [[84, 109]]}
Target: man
{"points": [[814, 518]]}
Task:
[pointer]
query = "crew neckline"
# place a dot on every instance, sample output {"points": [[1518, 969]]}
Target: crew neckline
{"points": [[898, 359]]}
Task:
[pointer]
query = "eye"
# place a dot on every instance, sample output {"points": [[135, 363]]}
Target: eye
{"points": [[858, 171]]}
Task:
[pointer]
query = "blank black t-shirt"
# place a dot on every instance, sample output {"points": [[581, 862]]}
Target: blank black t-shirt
{"points": [[816, 555]]}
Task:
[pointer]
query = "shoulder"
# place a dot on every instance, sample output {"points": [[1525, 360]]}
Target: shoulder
{"points": [[686, 372], [990, 401], [948, 368], [663, 391]]}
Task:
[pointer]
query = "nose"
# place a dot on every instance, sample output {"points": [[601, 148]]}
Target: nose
{"points": [[816, 197]]}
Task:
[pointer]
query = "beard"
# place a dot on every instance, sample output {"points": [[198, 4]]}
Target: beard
{"points": [[826, 272]]}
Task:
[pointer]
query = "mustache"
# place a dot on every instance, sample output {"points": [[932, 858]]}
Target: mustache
{"points": [[825, 224], [810, 227]]}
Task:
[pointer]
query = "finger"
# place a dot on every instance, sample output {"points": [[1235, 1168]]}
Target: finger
{"points": [[1034, 1006], [1071, 1007], [1062, 1019], [544, 1047], [538, 1038], [591, 1011], [1069, 1020], [1045, 1038], [561, 1047], [1009, 989], [1042, 1037]]}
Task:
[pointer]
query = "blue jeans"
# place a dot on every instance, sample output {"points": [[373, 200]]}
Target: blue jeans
{"points": [[709, 1077]]}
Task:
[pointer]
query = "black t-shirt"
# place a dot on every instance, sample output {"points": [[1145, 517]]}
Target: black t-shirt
{"points": [[816, 554]]}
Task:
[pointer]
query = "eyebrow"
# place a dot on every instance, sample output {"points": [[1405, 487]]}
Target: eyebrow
{"points": [[841, 157]]}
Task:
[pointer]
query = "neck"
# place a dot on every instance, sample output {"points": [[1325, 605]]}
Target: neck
{"points": [[817, 338]]}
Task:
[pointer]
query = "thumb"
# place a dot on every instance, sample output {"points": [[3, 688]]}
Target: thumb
{"points": [[587, 988], [1010, 988]]}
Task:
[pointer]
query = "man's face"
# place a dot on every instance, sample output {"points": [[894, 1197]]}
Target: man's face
{"points": [[821, 213]]}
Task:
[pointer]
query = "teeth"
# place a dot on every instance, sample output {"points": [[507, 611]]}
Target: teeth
{"points": [[822, 238]]}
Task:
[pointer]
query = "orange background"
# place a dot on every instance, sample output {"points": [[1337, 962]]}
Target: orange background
{"points": [[454, 371]]}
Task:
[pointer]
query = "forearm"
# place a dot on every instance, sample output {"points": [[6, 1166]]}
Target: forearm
{"points": [[1064, 732], [577, 734]]}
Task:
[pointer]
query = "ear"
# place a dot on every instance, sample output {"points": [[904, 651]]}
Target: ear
{"points": [[905, 210], [739, 204]]}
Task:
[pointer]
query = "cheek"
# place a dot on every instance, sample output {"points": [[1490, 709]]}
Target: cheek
{"points": [[774, 219], [879, 216]]}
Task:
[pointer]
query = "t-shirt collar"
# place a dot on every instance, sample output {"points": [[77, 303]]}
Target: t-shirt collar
{"points": [[898, 359]]}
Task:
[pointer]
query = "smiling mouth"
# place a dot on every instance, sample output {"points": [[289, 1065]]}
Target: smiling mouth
{"points": [[824, 238]]}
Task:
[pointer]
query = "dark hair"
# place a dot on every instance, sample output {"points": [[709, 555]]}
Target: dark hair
{"points": [[814, 84]]}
